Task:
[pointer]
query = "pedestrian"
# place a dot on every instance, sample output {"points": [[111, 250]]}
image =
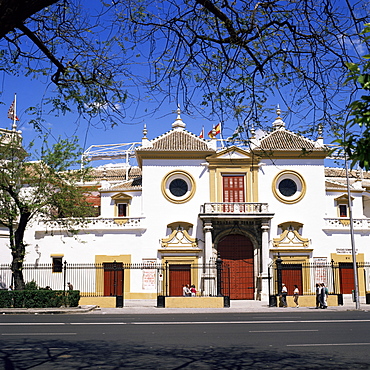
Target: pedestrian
{"points": [[283, 294], [70, 286], [10, 287], [318, 290], [296, 295], [186, 291], [323, 296], [193, 291]]}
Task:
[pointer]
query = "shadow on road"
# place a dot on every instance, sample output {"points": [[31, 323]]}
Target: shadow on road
{"points": [[31, 354]]}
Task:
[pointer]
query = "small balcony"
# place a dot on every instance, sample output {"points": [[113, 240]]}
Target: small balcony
{"points": [[104, 223], [341, 223], [232, 210]]}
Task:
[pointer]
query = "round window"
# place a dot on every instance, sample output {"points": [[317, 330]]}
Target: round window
{"points": [[178, 187], [289, 187]]}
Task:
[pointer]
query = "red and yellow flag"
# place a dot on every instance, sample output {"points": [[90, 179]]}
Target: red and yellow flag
{"points": [[217, 130]]}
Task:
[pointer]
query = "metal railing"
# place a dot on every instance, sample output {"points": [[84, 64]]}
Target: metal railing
{"points": [[108, 279], [341, 223], [337, 277], [241, 208]]}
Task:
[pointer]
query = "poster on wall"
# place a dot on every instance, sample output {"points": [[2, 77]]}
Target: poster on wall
{"points": [[149, 275], [320, 270]]}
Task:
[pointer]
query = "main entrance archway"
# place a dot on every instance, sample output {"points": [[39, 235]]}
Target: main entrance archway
{"points": [[236, 251]]}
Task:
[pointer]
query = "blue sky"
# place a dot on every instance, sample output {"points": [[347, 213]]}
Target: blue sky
{"points": [[30, 92]]}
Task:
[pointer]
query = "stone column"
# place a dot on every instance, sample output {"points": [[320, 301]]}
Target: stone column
{"points": [[208, 278], [207, 228], [265, 261]]}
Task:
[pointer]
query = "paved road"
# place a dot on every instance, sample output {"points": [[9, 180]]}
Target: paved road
{"points": [[277, 340]]}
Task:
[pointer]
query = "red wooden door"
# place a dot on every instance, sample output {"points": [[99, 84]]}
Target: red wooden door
{"points": [[346, 276], [236, 251], [233, 189], [292, 275], [179, 275], [113, 279]]}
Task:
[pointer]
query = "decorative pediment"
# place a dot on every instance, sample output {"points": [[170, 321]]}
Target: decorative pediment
{"points": [[343, 198], [231, 152], [179, 239], [180, 224], [290, 238], [121, 196]]}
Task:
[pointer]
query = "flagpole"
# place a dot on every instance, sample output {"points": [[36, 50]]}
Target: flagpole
{"points": [[14, 127], [222, 139]]}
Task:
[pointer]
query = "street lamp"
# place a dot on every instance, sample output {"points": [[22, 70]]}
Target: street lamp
{"points": [[355, 276]]}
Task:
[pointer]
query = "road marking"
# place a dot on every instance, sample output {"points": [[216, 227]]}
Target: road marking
{"points": [[186, 322], [99, 323], [277, 331], [31, 323], [28, 334], [244, 322], [328, 344]]}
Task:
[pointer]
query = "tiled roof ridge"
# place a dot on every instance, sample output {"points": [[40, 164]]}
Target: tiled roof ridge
{"points": [[173, 131], [165, 142], [286, 131], [353, 174]]}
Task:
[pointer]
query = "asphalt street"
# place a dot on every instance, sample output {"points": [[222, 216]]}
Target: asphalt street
{"points": [[276, 340]]}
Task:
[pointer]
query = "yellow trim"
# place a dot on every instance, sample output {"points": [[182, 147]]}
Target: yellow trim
{"points": [[183, 260], [294, 224], [297, 259], [287, 154], [99, 276], [166, 241], [278, 242], [56, 255], [176, 154], [183, 224], [245, 165], [121, 196], [194, 302], [285, 199], [168, 178], [120, 221], [347, 258], [117, 202], [168, 251]]}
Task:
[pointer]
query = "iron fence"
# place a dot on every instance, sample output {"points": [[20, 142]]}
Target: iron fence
{"points": [[116, 278], [338, 277]]}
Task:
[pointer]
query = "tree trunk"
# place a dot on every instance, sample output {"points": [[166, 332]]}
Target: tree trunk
{"points": [[17, 270], [14, 13], [19, 251]]}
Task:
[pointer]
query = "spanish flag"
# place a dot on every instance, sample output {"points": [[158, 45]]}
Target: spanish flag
{"points": [[201, 135], [217, 131]]}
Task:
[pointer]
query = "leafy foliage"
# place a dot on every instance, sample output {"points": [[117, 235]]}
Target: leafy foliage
{"points": [[238, 58], [38, 298], [356, 139], [45, 190], [242, 55]]}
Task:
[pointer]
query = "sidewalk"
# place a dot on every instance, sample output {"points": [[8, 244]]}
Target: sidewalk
{"points": [[137, 306]]}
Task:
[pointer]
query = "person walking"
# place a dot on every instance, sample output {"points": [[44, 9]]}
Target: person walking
{"points": [[318, 291], [283, 294], [323, 296], [296, 295]]}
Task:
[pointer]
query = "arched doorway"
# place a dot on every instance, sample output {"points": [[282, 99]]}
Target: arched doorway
{"points": [[236, 251]]}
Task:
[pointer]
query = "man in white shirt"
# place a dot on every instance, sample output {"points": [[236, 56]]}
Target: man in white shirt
{"points": [[284, 293]]}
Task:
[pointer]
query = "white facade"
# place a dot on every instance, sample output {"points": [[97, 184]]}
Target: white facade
{"points": [[189, 202]]}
